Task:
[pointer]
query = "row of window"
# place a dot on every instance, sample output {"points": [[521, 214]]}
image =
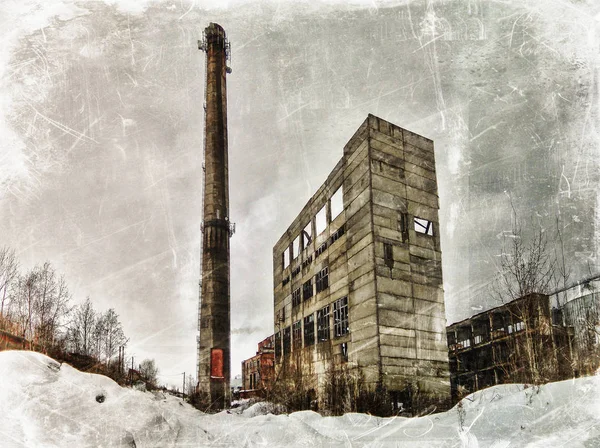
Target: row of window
{"points": [[420, 225], [321, 283], [302, 241], [465, 342], [336, 236], [302, 332]]}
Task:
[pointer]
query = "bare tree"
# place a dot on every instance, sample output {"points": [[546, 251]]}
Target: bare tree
{"points": [[114, 337], [190, 386], [527, 271], [81, 328], [526, 267], [98, 337], [51, 304], [149, 371], [9, 271]]}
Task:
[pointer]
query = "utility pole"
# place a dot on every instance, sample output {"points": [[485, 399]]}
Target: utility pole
{"points": [[183, 386]]}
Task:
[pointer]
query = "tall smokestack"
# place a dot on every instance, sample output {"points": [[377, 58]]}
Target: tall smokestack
{"points": [[214, 361]]}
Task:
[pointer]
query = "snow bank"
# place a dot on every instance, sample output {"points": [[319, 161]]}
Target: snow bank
{"points": [[45, 404]]}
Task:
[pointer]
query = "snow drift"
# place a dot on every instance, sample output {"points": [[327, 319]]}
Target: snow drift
{"points": [[46, 404]]}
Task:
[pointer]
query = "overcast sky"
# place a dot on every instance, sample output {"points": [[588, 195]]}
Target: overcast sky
{"points": [[101, 128]]}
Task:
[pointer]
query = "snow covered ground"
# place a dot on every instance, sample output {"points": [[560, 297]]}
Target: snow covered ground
{"points": [[45, 404]]}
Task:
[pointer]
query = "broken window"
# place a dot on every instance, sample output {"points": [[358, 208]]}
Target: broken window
{"points": [[287, 343], [307, 262], [307, 290], [451, 336], [322, 279], [321, 220], [465, 343], [286, 257], [337, 235], [463, 337], [278, 345], [309, 330], [321, 249], [498, 325], [281, 315], [323, 324], [297, 334], [423, 226], [340, 317], [480, 331], [307, 235], [388, 255], [296, 297], [337, 203], [296, 247]]}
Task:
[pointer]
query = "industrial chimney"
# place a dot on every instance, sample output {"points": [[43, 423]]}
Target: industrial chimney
{"points": [[214, 361]]}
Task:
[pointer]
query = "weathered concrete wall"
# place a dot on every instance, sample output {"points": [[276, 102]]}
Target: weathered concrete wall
{"points": [[395, 299], [410, 296]]}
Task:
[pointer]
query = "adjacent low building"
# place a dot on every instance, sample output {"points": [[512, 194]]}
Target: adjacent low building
{"points": [[258, 372], [522, 341], [358, 297]]}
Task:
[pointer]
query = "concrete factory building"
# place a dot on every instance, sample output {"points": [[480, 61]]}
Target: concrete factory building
{"points": [[358, 276]]}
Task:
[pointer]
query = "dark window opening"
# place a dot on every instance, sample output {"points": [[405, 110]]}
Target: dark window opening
{"points": [[309, 330], [278, 345], [307, 262], [296, 297], [322, 279], [344, 347], [337, 235], [340, 317], [296, 271], [463, 337], [423, 226], [480, 332], [307, 290], [323, 324], [401, 400], [321, 249], [404, 226], [557, 316], [388, 255], [287, 343], [297, 335], [286, 280]]}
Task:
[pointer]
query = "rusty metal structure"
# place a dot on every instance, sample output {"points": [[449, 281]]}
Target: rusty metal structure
{"points": [[214, 364]]}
